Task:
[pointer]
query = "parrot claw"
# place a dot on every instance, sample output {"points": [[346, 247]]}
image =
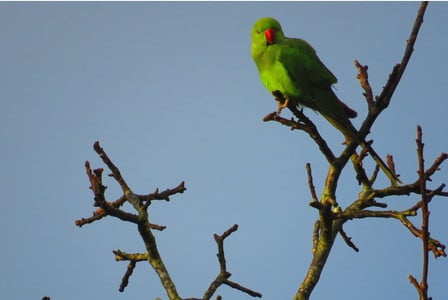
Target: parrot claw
{"points": [[282, 101], [281, 105]]}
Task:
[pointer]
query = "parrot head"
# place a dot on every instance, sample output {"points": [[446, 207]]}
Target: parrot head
{"points": [[266, 31]]}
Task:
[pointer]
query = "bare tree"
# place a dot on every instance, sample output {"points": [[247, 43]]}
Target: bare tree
{"points": [[331, 216], [141, 204]]}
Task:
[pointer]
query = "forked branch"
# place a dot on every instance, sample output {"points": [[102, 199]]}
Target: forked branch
{"points": [[141, 204], [223, 275]]}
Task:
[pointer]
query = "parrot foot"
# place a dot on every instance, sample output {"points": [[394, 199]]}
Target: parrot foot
{"points": [[282, 105], [282, 101]]}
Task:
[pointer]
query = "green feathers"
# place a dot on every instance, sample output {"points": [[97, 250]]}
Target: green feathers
{"points": [[291, 66]]}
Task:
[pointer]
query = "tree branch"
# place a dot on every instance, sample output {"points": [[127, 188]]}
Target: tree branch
{"points": [[330, 222], [425, 214], [384, 98], [314, 200], [363, 78], [223, 275], [348, 240], [127, 275], [141, 218], [141, 204], [304, 124]]}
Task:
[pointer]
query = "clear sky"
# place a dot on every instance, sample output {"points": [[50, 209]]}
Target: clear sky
{"points": [[171, 92]]}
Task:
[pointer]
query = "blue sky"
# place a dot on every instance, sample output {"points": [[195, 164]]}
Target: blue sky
{"points": [[171, 92]]}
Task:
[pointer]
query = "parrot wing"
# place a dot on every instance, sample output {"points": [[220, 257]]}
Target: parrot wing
{"points": [[303, 64], [314, 80]]}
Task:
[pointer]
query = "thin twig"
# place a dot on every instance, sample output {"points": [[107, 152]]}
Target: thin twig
{"points": [[384, 98], [127, 275], [361, 175], [314, 200], [242, 289], [165, 195], [115, 171], [363, 78], [223, 275], [348, 240], [423, 286], [415, 283], [98, 190], [100, 213]]}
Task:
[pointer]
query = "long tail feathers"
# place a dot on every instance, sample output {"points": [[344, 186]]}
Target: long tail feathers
{"points": [[338, 114]]}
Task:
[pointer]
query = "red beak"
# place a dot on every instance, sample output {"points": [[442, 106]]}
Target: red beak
{"points": [[270, 36]]}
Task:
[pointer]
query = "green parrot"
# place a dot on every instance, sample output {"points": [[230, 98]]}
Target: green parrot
{"points": [[291, 67]]}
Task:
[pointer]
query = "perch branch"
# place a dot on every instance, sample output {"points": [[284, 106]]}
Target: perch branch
{"points": [[303, 123], [312, 131]]}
